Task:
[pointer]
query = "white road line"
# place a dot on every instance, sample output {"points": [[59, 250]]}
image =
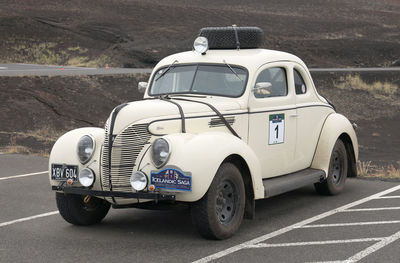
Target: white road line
{"points": [[388, 197], [291, 227], [22, 175], [352, 224], [372, 209], [28, 218], [313, 243], [369, 250]]}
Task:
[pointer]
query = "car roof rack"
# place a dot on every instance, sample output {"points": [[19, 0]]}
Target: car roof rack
{"points": [[233, 37]]}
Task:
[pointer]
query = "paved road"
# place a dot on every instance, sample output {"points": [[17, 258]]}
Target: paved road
{"points": [[44, 70], [373, 69], [362, 225]]}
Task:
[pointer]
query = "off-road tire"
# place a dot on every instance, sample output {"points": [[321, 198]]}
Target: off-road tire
{"points": [[337, 174], [76, 211], [219, 214]]}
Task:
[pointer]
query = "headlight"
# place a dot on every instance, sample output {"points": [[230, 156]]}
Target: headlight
{"points": [[86, 147], [86, 177], [160, 152], [138, 181]]}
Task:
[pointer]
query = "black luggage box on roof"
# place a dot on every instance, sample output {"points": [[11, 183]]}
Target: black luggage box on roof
{"points": [[227, 38]]}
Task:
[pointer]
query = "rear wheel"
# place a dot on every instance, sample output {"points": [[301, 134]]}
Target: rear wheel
{"points": [[219, 213], [81, 209], [337, 173]]}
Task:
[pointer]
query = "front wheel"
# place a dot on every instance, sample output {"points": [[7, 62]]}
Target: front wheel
{"points": [[219, 213], [337, 173], [80, 209]]}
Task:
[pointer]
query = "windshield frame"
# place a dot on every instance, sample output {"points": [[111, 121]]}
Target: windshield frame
{"points": [[199, 93]]}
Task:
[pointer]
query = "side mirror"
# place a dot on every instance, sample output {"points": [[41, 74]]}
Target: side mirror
{"points": [[142, 86], [263, 88]]}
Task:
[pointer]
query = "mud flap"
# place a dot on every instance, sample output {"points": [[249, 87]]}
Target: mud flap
{"points": [[250, 208]]}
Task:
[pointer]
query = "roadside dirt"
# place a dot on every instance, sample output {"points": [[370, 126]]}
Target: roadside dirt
{"points": [[375, 111], [35, 111], [139, 33]]}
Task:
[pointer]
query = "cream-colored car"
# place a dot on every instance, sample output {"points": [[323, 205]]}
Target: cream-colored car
{"points": [[219, 127]]}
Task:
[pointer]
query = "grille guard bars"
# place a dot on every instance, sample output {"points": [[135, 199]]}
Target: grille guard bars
{"points": [[139, 195]]}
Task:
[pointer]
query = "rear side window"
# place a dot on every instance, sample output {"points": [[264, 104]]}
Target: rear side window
{"points": [[278, 84], [299, 83]]}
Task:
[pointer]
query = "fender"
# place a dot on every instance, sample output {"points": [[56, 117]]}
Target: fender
{"points": [[335, 126], [64, 151], [202, 155]]}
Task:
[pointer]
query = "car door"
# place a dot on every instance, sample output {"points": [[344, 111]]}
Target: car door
{"points": [[272, 119], [311, 115]]}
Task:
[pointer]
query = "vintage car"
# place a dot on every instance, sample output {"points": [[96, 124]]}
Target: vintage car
{"points": [[219, 127]]}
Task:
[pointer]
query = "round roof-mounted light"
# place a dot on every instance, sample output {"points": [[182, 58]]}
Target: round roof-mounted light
{"points": [[201, 45]]}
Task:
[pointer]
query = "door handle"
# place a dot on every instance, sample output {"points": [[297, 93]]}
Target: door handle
{"points": [[294, 115]]}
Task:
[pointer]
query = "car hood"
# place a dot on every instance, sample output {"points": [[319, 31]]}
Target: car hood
{"points": [[153, 109]]}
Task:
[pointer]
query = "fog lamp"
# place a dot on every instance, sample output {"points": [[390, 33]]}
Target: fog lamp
{"points": [[86, 177], [138, 180]]}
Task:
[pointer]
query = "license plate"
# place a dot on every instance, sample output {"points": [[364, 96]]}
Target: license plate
{"points": [[172, 179], [62, 172]]}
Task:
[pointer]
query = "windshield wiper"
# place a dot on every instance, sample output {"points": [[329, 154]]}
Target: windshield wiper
{"points": [[234, 72], [169, 67]]}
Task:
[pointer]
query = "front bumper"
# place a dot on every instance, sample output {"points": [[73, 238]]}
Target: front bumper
{"points": [[139, 195]]}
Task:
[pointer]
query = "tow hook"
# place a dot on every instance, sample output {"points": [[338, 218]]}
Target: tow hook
{"points": [[86, 199]]}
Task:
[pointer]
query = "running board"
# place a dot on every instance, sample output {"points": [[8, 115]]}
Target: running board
{"points": [[285, 183]]}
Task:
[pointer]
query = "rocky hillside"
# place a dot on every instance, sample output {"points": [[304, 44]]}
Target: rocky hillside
{"points": [[137, 33]]}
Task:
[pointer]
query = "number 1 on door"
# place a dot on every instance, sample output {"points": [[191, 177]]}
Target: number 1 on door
{"points": [[276, 128]]}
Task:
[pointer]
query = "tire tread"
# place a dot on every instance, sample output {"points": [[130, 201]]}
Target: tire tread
{"points": [[327, 187], [205, 222]]}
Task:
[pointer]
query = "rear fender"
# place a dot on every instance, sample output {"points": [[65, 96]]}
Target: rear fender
{"points": [[336, 127]]}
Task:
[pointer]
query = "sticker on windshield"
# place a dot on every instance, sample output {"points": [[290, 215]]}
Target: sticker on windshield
{"points": [[276, 128]]}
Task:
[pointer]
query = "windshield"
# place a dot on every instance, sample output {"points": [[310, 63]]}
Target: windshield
{"points": [[222, 80]]}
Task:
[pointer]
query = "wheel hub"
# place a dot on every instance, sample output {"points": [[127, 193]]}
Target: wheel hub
{"points": [[226, 201], [336, 168]]}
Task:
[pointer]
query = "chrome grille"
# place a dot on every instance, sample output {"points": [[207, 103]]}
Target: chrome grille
{"points": [[126, 147]]}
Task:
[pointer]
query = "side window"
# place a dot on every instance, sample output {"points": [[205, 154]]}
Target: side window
{"points": [[299, 84], [278, 84]]}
